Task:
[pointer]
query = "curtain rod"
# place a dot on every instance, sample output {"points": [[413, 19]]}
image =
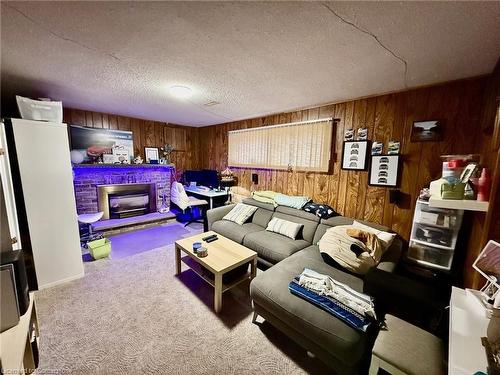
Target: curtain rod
{"points": [[282, 125]]}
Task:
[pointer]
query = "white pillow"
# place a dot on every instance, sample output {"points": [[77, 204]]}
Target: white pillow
{"points": [[385, 237], [240, 213], [284, 227]]}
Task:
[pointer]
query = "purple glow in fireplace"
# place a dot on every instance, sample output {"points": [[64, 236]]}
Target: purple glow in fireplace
{"points": [[88, 177]]}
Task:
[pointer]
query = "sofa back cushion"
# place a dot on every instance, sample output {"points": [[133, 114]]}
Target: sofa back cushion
{"points": [[308, 226], [263, 214], [253, 202], [297, 213]]}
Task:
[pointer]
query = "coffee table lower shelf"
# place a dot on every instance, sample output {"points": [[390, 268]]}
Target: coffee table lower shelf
{"points": [[205, 274]]}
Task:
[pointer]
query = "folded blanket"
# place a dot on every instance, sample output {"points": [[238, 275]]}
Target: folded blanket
{"points": [[265, 196], [325, 285], [291, 201], [328, 294]]}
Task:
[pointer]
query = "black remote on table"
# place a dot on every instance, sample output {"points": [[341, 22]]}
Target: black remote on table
{"points": [[209, 237], [212, 239]]}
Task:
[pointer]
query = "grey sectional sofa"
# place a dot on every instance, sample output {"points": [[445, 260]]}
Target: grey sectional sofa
{"points": [[342, 347]]}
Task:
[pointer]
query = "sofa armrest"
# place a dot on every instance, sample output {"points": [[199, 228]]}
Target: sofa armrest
{"points": [[216, 214]]}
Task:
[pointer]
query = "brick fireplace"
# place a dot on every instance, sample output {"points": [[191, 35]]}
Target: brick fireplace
{"points": [[88, 178]]}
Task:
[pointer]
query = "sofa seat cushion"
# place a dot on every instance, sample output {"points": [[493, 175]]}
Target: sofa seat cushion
{"points": [[273, 247], [235, 231], [270, 291]]}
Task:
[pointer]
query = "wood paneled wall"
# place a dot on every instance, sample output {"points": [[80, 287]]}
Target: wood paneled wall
{"points": [[485, 227], [467, 109], [184, 139], [457, 104]]}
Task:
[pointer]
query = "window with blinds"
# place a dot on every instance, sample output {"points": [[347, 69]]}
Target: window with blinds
{"points": [[302, 146]]}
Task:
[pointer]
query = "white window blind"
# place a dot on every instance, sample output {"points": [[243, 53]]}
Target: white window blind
{"points": [[304, 146]]}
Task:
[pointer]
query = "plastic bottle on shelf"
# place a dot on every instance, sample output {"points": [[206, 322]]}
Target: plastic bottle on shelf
{"points": [[484, 186]]}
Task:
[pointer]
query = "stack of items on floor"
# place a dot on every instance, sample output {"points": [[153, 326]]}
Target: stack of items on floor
{"points": [[300, 203]]}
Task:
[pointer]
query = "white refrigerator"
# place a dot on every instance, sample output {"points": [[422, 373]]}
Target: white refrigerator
{"points": [[37, 181]]}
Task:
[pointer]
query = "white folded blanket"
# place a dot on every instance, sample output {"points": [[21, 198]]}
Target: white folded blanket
{"points": [[325, 285]]}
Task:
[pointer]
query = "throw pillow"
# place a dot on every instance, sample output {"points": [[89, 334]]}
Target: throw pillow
{"points": [[240, 213], [284, 227], [337, 245], [324, 211], [385, 237], [291, 201]]}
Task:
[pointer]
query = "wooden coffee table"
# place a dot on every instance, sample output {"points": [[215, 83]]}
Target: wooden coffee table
{"points": [[223, 256]]}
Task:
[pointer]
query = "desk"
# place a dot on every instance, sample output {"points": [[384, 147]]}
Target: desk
{"points": [[468, 323], [210, 194]]}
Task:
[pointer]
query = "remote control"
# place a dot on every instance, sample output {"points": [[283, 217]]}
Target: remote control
{"points": [[208, 237], [212, 239]]}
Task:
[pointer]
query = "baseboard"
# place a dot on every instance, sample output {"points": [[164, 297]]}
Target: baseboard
{"points": [[58, 282]]}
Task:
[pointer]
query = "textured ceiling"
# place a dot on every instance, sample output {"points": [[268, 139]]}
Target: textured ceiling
{"points": [[254, 58]]}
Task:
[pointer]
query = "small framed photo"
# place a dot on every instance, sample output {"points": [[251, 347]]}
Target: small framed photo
{"points": [[349, 135], [377, 148], [426, 131], [121, 155], [355, 155], [362, 134], [384, 170], [151, 153], [393, 147]]}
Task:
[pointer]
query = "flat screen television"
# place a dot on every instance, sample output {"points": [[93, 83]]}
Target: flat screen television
{"points": [[88, 144], [204, 177]]}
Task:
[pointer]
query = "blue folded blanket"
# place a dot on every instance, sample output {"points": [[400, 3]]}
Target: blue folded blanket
{"points": [[331, 305]]}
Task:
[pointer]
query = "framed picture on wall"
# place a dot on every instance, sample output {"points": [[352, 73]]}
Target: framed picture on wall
{"points": [[151, 153], [426, 131], [354, 155], [384, 170]]}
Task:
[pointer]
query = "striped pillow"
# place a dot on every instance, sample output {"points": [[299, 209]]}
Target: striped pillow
{"points": [[284, 227], [240, 213]]}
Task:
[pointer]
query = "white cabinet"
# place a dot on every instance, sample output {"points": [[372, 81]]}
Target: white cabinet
{"points": [[38, 156], [434, 236]]}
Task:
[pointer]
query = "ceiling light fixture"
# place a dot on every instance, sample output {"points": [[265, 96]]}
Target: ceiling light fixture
{"points": [[181, 92]]}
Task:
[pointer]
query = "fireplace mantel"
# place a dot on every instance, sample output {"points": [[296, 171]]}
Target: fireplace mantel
{"points": [[87, 178], [81, 166]]}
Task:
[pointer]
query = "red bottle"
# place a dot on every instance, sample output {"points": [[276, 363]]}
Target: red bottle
{"points": [[484, 186]]}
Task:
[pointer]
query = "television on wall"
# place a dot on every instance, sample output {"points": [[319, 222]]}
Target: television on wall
{"points": [[91, 145]]}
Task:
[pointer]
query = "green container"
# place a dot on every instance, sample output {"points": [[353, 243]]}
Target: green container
{"points": [[99, 248], [453, 191]]}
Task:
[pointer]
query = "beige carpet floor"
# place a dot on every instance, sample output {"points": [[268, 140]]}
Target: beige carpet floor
{"points": [[133, 316]]}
